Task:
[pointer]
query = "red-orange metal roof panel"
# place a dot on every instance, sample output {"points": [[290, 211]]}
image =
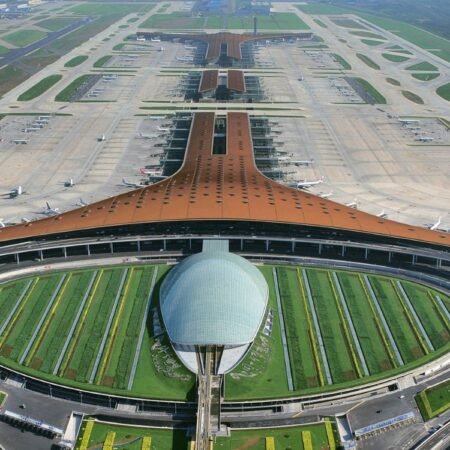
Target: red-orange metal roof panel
{"points": [[220, 187], [236, 80], [209, 80]]}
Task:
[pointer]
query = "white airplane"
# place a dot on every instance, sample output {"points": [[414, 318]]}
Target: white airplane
{"points": [[148, 136], [69, 183], [302, 163], [131, 184], [305, 184], [20, 141], [140, 38], [4, 223], [164, 130], [435, 226], [382, 214], [190, 47], [326, 194], [101, 138], [152, 174], [81, 202], [49, 210], [25, 220], [424, 138], [160, 49], [13, 193], [155, 39], [184, 58], [353, 204]]}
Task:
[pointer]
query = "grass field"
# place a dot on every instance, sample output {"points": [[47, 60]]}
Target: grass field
{"points": [[105, 9], [177, 20], [368, 34], [39, 88], [283, 438], [93, 434], [76, 61], [377, 97], [413, 97], [371, 42], [366, 60], [3, 50], [348, 23], [345, 65], [418, 36], [425, 66], [57, 23], [434, 401], [22, 38], [102, 61], [425, 76], [393, 81], [67, 93], [444, 91], [94, 329], [394, 58]]}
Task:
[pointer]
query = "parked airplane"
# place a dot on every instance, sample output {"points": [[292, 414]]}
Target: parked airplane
{"points": [[148, 136], [353, 204], [155, 39], [424, 138], [184, 58], [81, 202], [435, 226], [13, 193], [5, 222], [69, 183], [140, 38], [101, 138], [305, 184], [20, 141], [49, 210], [302, 163], [131, 184], [326, 194], [382, 214]]}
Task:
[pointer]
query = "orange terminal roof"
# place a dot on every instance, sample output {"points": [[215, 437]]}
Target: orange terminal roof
{"points": [[236, 80], [209, 80], [220, 187], [215, 41]]}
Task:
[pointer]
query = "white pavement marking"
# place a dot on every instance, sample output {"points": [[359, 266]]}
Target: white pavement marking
{"points": [[142, 331], [283, 332], [43, 317], [74, 324], [350, 324], [383, 321], [108, 326], [415, 316], [317, 329]]}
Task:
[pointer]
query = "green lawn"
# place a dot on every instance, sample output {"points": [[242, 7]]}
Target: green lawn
{"points": [[368, 34], [371, 42], [425, 76], [425, 66], [393, 81], [345, 65], [105, 9], [434, 401], [377, 97], [348, 23], [76, 61], [394, 58], [67, 93], [413, 97], [3, 50], [444, 91], [102, 61], [2, 398], [366, 60], [22, 38], [131, 438], [39, 88], [173, 21], [284, 438], [56, 24]]}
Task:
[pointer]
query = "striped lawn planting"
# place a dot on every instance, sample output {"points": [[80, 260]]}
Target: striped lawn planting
{"points": [[304, 370], [372, 342], [76, 326], [118, 369], [36, 303], [41, 326], [352, 338], [93, 327], [397, 319], [441, 308], [287, 361], [9, 299], [127, 366], [49, 349], [111, 328], [412, 317], [435, 327], [332, 329]]}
